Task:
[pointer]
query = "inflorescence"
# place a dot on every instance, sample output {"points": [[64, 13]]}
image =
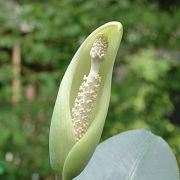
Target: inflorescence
{"points": [[88, 90]]}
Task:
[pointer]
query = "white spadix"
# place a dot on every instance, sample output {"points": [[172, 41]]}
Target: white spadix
{"points": [[88, 91]]}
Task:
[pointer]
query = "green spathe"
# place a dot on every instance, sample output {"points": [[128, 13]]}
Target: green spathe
{"points": [[68, 157]]}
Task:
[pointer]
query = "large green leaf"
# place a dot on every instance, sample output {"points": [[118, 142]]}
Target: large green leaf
{"points": [[132, 155]]}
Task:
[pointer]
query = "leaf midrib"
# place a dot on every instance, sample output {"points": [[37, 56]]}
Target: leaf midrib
{"points": [[140, 157]]}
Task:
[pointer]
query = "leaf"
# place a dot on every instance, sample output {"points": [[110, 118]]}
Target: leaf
{"points": [[132, 155]]}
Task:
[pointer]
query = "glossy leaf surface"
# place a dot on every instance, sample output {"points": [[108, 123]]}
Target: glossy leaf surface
{"points": [[132, 155]]}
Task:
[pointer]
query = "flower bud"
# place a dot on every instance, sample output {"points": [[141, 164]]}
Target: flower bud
{"points": [[82, 102]]}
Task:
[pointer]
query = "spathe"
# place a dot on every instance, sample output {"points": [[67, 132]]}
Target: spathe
{"points": [[68, 157]]}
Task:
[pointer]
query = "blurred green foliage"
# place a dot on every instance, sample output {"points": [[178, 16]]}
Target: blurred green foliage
{"points": [[145, 89]]}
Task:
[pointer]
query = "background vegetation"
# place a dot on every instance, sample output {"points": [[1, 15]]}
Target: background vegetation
{"points": [[37, 41]]}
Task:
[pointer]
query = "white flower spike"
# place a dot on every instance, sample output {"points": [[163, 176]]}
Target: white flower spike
{"points": [[88, 91], [82, 102]]}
